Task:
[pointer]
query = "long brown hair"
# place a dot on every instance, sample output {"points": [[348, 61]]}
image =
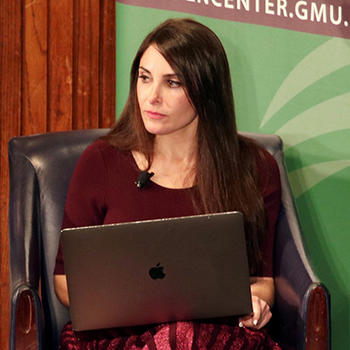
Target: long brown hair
{"points": [[226, 176]]}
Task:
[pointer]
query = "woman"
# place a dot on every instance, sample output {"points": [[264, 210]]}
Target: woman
{"points": [[179, 123]]}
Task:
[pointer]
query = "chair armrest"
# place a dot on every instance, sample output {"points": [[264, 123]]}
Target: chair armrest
{"points": [[315, 310], [26, 329], [312, 318], [302, 307]]}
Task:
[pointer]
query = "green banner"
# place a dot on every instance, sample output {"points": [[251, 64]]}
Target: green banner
{"points": [[329, 17], [290, 80]]}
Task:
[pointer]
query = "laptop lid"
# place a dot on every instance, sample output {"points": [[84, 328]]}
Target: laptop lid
{"points": [[157, 271]]}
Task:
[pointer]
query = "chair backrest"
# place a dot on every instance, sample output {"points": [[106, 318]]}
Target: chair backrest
{"points": [[40, 170], [294, 277]]}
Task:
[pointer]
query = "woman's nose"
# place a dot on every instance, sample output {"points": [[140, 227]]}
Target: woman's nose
{"points": [[155, 94]]}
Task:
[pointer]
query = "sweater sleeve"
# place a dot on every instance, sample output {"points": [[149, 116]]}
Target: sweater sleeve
{"points": [[85, 202]]}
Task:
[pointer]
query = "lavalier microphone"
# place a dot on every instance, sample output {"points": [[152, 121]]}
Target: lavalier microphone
{"points": [[143, 178]]}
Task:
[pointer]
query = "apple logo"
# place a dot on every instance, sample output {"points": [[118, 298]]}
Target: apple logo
{"points": [[156, 272]]}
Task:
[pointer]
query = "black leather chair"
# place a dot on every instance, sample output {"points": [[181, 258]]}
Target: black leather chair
{"points": [[40, 170]]}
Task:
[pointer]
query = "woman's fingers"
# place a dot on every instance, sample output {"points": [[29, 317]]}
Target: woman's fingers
{"points": [[260, 317]]}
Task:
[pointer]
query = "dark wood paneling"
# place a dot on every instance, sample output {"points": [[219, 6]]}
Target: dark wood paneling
{"points": [[86, 63], [34, 118], [60, 64], [107, 64], [57, 72], [10, 117]]}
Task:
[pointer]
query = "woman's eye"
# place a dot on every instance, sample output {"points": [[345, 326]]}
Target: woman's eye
{"points": [[174, 83], [144, 78]]}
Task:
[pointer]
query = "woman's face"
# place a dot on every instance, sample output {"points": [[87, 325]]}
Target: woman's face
{"points": [[164, 105]]}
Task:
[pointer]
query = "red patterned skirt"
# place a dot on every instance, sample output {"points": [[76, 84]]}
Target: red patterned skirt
{"points": [[169, 336]]}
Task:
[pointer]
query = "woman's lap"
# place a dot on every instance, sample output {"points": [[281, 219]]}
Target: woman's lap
{"points": [[169, 336]]}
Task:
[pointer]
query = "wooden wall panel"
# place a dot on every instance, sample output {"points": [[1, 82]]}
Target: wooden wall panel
{"points": [[107, 64], [10, 117], [60, 65], [57, 72], [86, 63], [34, 60]]}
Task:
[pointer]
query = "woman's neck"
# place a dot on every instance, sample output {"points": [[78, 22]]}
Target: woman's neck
{"points": [[174, 161], [175, 149]]}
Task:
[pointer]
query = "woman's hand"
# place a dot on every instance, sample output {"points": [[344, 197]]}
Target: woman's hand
{"points": [[262, 289], [260, 317], [61, 289]]}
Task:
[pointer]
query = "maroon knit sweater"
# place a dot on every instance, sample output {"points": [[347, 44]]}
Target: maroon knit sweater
{"points": [[102, 191]]}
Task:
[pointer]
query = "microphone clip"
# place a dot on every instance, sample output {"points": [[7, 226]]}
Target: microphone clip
{"points": [[143, 178]]}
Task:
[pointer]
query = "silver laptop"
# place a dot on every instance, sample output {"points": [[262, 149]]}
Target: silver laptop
{"points": [[157, 271]]}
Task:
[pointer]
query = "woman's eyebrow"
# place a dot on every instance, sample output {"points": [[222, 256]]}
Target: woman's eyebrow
{"points": [[169, 75], [146, 70]]}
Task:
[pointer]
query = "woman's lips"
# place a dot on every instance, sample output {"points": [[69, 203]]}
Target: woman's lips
{"points": [[155, 115]]}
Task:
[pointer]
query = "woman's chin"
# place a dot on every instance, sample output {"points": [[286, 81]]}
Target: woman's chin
{"points": [[157, 132], [154, 130]]}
